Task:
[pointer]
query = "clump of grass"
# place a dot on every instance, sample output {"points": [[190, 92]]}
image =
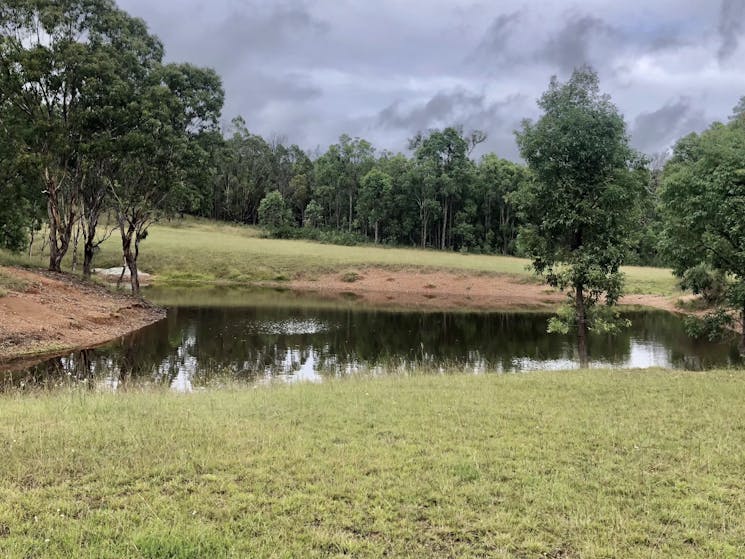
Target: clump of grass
{"points": [[579, 464], [350, 277], [9, 283]]}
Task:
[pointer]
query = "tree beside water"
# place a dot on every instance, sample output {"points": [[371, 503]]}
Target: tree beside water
{"points": [[581, 208], [93, 120], [703, 195]]}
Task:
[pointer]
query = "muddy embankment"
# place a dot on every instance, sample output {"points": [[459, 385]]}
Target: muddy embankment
{"points": [[46, 314]]}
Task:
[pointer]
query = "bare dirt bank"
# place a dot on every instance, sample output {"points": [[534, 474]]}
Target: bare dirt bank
{"points": [[51, 313], [439, 290]]}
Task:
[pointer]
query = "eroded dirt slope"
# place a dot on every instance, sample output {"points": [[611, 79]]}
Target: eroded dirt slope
{"points": [[48, 313]]}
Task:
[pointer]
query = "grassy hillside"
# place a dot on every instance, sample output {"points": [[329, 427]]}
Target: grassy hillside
{"points": [[205, 251], [579, 464]]}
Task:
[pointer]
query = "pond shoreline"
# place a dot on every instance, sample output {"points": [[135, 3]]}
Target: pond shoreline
{"points": [[46, 314]]}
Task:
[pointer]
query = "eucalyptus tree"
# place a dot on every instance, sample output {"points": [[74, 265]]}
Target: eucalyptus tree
{"points": [[580, 208], [41, 76], [120, 62], [273, 211], [66, 70], [498, 181], [358, 158], [338, 174], [244, 176], [443, 155], [401, 223], [375, 199], [173, 106], [328, 176], [20, 198], [703, 195]]}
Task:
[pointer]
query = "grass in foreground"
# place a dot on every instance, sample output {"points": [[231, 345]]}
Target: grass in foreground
{"points": [[201, 251], [580, 464]]}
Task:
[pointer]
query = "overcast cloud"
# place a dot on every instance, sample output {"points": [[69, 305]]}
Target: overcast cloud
{"points": [[310, 70]]}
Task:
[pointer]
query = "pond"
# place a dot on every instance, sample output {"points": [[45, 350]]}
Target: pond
{"points": [[256, 337]]}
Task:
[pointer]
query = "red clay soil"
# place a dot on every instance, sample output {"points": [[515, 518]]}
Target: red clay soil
{"points": [[451, 291], [53, 313]]}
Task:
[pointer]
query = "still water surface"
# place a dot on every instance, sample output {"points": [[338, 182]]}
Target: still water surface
{"points": [[196, 347]]}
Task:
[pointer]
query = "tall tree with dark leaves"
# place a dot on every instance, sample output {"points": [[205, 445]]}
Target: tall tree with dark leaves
{"points": [[581, 208], [125, 52]]}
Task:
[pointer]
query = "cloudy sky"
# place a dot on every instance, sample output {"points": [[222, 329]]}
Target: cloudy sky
{"points": [[310, 70]]}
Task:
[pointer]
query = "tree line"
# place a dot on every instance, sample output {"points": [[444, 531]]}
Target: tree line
{"points": [[94, 122], [438, 197]]}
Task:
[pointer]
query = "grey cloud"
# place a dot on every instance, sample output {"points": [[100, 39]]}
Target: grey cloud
{"points": [[443, 107], [313, 69], [731, 27], [496, 40], [265, 88], [571, 46], [249, 34], [447, 108], [461, 108], [658, 130]]}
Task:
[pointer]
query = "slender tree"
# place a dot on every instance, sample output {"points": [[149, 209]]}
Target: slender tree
{"points": [[375, 197], [151, 177]]}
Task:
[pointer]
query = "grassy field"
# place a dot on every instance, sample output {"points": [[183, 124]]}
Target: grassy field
{"points": [[199, 251], [561, 465]]}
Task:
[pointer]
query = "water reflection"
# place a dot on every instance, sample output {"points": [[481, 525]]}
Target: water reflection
{"points": [[200, 347]]}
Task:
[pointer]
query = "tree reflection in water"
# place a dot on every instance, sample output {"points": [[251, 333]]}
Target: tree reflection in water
{"points": [[200, 347]]}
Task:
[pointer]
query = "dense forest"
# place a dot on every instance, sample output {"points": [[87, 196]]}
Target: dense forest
{"points": [[100, 136]]}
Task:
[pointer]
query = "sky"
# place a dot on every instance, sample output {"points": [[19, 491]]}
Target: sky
{"points": [[307, 71]]}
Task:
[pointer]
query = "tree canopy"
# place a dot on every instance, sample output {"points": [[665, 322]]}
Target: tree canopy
{"points": [[703, 196]]}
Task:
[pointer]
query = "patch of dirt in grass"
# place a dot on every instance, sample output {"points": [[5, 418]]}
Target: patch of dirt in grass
{"points": [[59, 312], [443, 290], [436, 290]]}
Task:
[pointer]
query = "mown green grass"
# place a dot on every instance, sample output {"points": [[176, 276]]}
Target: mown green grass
{"points": [[580, 464], [201, 251]]}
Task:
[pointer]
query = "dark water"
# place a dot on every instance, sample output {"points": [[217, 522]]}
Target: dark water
{"points": [[201, 347]]}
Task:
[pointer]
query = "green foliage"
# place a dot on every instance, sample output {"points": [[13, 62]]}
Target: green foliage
{"points": [[313, 215], [602, 319], [703, 193], [321, 235], [350, 277], [714, 326], [712, 285], [581, 206], [273, 212]]}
